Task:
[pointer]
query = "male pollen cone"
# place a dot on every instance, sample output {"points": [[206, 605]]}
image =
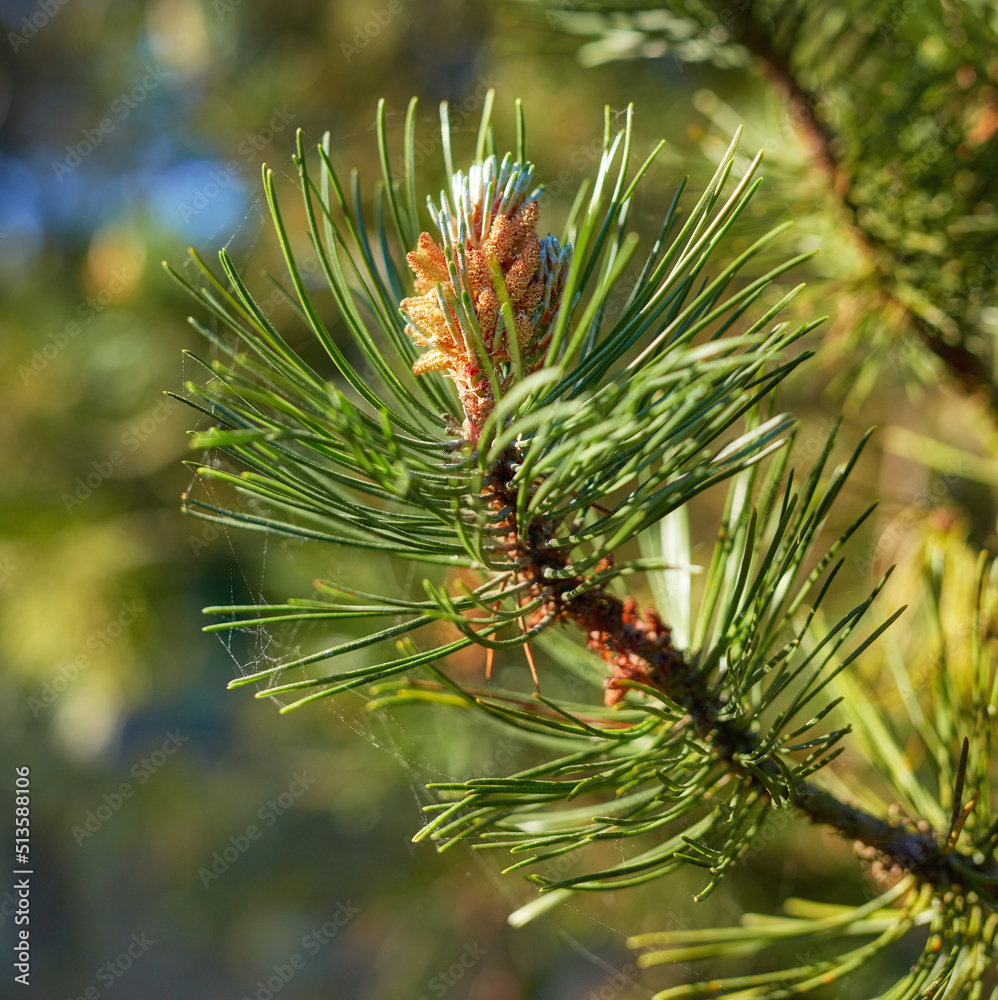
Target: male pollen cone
{"points": [[532, 274]]}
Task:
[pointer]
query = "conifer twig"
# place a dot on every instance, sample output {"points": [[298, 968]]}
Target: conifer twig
{"points": [[510, 426]]}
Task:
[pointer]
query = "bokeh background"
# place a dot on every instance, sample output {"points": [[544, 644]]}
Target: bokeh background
{"points": [[130, 131]]}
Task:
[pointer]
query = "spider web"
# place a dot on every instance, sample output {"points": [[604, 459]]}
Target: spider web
{"points": [[259, 648]]}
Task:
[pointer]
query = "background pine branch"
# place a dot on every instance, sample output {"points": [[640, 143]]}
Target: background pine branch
{"points": [[908, 155]]}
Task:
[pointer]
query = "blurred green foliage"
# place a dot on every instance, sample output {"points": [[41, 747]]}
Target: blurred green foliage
{"points": [[897, 105], [129, 132]]}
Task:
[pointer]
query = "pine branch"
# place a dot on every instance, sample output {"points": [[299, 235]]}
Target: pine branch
{"points": [[971, 373], [537, 435]]}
